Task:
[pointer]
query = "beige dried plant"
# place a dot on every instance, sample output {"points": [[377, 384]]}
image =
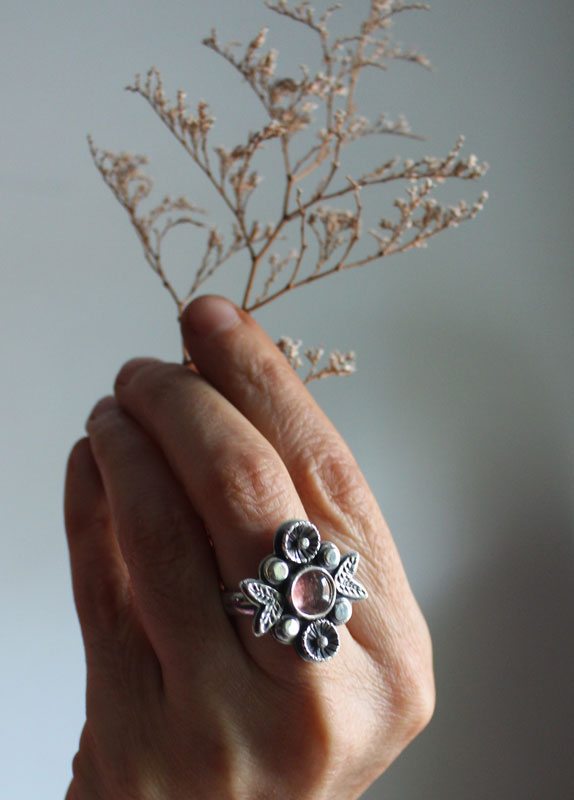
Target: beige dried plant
{"points": [[322, 209]]}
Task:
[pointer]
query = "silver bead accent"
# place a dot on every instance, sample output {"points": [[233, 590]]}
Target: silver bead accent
{"points": [[341, 612], [329, 555], [274, 570], [287, 630]]}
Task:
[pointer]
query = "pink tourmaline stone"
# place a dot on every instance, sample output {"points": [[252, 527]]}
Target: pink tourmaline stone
{"points": [[313, 593]]}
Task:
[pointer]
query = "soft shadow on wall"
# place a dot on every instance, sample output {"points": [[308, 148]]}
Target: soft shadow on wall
{"points": [[503, 625]]}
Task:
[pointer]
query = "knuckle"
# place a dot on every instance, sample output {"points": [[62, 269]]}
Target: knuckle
{"points": [[270, 382], [83, 523], [103, 427], [104, 605], [113, 766], [413, 693], [131, 368], [418, 706], [81, 783], [330, 471], [265, 373], [102, 600], [153, 532], [251, 481], [158, 382]]}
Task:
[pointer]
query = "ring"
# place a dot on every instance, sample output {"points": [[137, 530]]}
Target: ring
{"points": [[305, 589]]}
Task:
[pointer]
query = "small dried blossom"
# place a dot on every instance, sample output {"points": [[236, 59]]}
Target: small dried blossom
{"points": [[338, 363], [307, 210], [290, 349]]}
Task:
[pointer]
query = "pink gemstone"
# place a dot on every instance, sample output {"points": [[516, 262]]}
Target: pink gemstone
{"points": [[313, 593]]}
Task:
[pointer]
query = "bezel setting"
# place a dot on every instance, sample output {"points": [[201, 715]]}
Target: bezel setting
{"points": [[314, 597]]}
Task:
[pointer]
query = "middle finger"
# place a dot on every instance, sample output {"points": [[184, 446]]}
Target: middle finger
{"points": [[234, 478]]}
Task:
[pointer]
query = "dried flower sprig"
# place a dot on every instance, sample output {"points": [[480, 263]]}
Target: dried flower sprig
{"points": [[325, 236], [337, 363]]}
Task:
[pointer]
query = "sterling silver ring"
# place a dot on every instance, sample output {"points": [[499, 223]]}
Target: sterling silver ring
{"points": [[305, 589]]}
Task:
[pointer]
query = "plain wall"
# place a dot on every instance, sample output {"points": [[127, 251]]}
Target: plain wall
{"points": [[460, 414]]}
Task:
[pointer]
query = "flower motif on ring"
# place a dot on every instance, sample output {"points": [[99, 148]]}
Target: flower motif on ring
{"points": [[298, 541], [304, 606], [319, 642]]}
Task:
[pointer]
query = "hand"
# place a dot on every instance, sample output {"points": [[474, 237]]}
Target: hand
{"points": [[180, 486]]}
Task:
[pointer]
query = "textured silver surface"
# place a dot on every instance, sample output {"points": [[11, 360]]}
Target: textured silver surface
{"points": [[297, 544]]}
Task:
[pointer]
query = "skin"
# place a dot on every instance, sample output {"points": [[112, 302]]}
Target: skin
{"points": [[178, 489]]}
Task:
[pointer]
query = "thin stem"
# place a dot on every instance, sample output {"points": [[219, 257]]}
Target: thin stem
{"points": [[205, 167], [303, 246]]}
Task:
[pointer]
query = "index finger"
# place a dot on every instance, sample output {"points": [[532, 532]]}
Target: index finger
{"points": [[256, 391], [237, 357]]}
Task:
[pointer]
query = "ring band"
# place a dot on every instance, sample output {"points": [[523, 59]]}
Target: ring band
{"points": [[304, 591]]}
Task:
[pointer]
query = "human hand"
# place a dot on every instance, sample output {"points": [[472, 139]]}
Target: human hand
{"points": [[182, 701]]}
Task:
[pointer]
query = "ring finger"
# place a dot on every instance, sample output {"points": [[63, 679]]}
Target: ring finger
{"points": [[236, 481]]}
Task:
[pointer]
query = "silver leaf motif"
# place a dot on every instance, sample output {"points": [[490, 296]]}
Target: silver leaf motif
{"points": [[303, 606], [268, 599], [345, 579]]}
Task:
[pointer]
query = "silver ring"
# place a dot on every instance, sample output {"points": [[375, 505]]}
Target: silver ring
{"points": [[305, 589]]}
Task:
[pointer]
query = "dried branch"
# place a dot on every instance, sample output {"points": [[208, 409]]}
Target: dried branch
{"points": [[330, 232]]}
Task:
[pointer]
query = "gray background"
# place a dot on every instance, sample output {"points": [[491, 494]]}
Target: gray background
{"points": [[460, 413]]}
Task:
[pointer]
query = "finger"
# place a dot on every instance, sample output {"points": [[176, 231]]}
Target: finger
{"points": [[235, 480], [233, 477], [122, 666], [71, 793], [237, 357], [99, 577], [162, 539]]}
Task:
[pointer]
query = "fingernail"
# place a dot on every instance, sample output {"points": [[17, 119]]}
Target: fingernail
{"points": [[130, 368], [102, 406], [209, 315]]}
